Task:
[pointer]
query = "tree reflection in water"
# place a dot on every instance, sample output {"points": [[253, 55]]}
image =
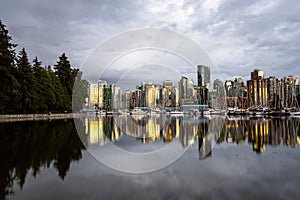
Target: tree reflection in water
{"points": [[32, 145]]}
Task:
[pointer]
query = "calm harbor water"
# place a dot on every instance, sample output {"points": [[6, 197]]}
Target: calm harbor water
{"points": [[224, 158]]}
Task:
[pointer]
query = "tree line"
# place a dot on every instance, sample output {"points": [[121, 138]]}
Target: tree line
{"points": [[29, 87]]}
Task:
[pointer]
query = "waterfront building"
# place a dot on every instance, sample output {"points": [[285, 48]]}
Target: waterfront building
{"points": [[95, 94], [127, 99], [107, 97], [273, 98], [116, 98], [257, 89], [228, 88], [93, 99], [202, 95], [151, 95], [290, 85], [202, 89], [101, 85], [186, 91], [218, 95], [256, 74], [230, 101], [203, 75], [236, 93]]}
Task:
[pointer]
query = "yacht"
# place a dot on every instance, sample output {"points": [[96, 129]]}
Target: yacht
{"points": [[294, 111], [176, 112], [138, 111], [100, 113]]}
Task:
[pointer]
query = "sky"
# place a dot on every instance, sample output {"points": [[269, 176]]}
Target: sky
{"points": [[238, 36]]}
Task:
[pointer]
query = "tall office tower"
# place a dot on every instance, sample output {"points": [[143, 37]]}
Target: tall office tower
{"points": [[240, 93], [219, 87], [218, 95], [203, 75], [116, 98], [126, 99], [182, 85], [169, 93], [229, 88], [107, 97], [93, 99], [238, 86], [151, 94], [257, 89], [101, 85], [168, 85], [290, 84], [256, 74], [273, 99], [186, 90], [175, 99], [148, 94]]}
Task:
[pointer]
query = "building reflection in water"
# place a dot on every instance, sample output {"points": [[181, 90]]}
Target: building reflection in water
{"points": [[188, 130]]}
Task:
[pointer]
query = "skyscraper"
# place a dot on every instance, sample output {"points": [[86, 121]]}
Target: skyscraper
{"points": [[186, 90], [257, 89], [203, 74], [256, 74]]}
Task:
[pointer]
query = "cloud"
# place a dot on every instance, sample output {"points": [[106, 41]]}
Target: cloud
{"points": [[238, 35]]}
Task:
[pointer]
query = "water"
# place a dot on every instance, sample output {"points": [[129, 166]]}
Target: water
{"points": [[225, 158]]}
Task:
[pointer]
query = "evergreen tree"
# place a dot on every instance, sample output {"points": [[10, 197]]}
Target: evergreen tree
{"points": [[79, 92], [9, 86], [60, 104], [7, 48], [66, 76], [48, 91], [41, 76], [34, 89], [28, 84], [10, 95]]}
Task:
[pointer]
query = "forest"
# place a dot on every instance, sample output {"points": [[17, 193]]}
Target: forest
{"points": [[31, 87]]}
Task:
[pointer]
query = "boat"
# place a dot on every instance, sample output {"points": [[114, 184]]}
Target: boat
{"points": [[100, 113], [259, 110], [157, 111], [294, 111], [230, 111], [138, 111], [218, 112], [279, 112], [176, 112]]}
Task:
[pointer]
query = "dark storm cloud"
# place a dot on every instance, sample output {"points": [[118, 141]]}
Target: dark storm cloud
{"points": [[265, 32], [238, 35], [49, 28]]}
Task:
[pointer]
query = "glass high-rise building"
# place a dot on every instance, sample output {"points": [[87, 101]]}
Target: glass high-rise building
{"points": [[203, 75]]}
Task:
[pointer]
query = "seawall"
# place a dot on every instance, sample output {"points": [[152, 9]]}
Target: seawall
{"points": [[28, 117]]}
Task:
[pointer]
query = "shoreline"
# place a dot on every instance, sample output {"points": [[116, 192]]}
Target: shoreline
{"points": [[31, 117]]}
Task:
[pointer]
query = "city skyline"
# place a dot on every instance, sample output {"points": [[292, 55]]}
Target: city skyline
{"points": [[272, 92], [160, 81]]}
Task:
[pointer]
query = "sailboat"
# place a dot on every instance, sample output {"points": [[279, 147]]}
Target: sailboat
{"points": [[295, 110]]}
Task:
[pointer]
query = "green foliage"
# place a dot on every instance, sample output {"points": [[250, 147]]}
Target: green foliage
{"points": [[7, 51], [27, 88], [28, 82], [79, 92], [10, 92]]}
